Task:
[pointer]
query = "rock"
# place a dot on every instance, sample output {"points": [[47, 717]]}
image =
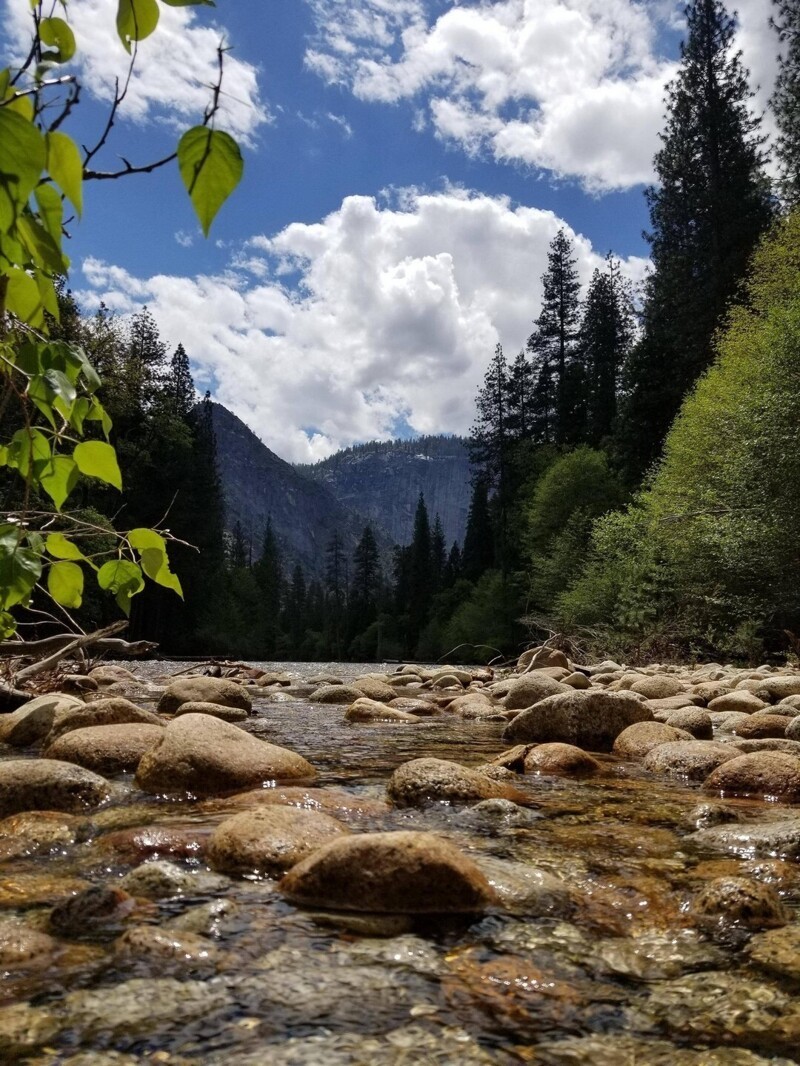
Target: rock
{"points": [[99, 908], [577, 680], [203, 755], [546, 657], [337, 694], [446, 681], [790, 701], [472, 705], [420, 708], [662, 708], [462, 677], [36, 833], [367, 710], [692, 760], [522, 889], [107, 674], [740, 700], [106, 749], [206, 919], [711, 690], [618, 1048], [498, 815], [216, 710], [641, 737], [204, 690], [49, 785], [760, 726], [658, 687], [153, 842], [560, 759], [396, 873], [267, 841], [31, 722], [274, 677], [738, 901], [763, 773], [793, 729], [512, 759], [591, 720], [782, 710], [24, 1028], [530, 689], [169, 949], [115, 710], [161, 879], [693, 721], [325, 679], [780, 838], [422, 781], [777, 951], [727, 721], [24, 948], [791, 747], [705, 815], [374, 689], [777, 688]]}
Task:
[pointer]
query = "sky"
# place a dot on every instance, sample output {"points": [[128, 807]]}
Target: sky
{"points": [[407, 164]]}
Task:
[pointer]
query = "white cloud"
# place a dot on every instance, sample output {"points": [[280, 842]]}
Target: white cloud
{"points": [[396, 314], [575, 87], [175, 66]]}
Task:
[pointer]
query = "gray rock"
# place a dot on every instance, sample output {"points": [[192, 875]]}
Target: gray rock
{"points": [[738, 901], [692, 760], [160, 879], [49, 785], [522, 889], [530, 689], [112, 710], [693, 721], [591, 720], [778, 838], [422, 781], [106, 749], [267, 841], [216, 710], [204, 690]]}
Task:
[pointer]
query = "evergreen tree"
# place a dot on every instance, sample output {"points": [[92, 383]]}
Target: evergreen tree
{"points": [[420, 572], [269, 578], [336, 587], [553, 345], [179, 384], [145, 363], [707, 212], [478, 554], [490, 438], [366, 575], [520, 401], [438, 555], [237, 548], [607, 333], [452, 570], [785, 99]]}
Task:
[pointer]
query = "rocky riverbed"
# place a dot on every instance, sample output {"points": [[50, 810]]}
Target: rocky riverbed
{"points": [[303, 864]]}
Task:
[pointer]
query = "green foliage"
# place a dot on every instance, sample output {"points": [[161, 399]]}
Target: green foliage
{"points": [[211, 167]]}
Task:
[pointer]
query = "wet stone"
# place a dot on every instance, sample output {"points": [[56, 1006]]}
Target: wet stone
{"points": [[738, 901], [777, 951], [162, 879]]}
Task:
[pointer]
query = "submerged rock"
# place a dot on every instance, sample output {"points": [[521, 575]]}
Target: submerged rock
{"points": [[777, 951], [422, 781], [738, 901], [778, 838]]}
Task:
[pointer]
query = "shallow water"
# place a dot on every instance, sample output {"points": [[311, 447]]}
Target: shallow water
{"points": [[623, 978]]}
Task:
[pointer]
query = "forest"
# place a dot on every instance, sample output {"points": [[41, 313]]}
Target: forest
{"points": [[635, 464]]}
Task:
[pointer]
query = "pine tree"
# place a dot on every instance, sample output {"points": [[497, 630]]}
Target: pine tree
{"points": [[336, 588], [366, 574], [709, 209], [607, 333], [520, 401], [420, 572], [237, 548], [785, 100], [490, 438], [179, 384], [268, 573], [145, 362], [453, 567], [478, 554], [553, 345], [438, 555]]}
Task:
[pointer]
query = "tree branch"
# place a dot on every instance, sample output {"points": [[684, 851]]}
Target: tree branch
{"points": [[74, 645]]}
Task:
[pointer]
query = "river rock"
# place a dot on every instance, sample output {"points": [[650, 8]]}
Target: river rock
{"points": [[793, 729], [546, 657], [155, 841], [726, 721], [563, 759], [337, 694], [31, 722], [398, 873], [777, 688], [763, 773], [777, 951], [591, 720], [420, 708], [368, 710], [170, 950], [780, 838], [423, 781], [761, 726], [738, 901], [617, 1049], [24, 1028], [49, 785], [530, 689], [98, 909], [692, 720], [204, 690], [473, 705], [739, 700], [267, 841], [523, 889], [107, 674], [693, 760], [106, 749], [791, 747], [161, 879], [24, 948], [658, 687], [641, 737], [114, 710], [374, 689], [216, 710], [36, 833], [201, 754]]}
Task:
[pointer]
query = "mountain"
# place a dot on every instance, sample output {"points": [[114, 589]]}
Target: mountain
{"points": [[382, 482], [257, 485]]}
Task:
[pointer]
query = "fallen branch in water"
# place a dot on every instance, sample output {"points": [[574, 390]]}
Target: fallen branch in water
{"points": [[73, 644]]}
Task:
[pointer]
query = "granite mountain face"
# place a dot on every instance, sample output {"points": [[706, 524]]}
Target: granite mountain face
{"points": [[378, 483]]}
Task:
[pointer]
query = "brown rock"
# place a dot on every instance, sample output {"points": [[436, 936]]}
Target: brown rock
{"points": [[693, 721], [777, 952], [25, 948], [170, 949], [530, 689], [107, 674], [203, 755], [759, 726], [115, 710], [396, 873], [49, 785], [560, 759], [216, 710], [106, 749], [337, 694], [155, 841], [739, 901], [740, 700], [422, 781], [658, 687], [374, 689], [204, 690], [31, 722], [36, 833], [778, 688], [693, 760], [367, 710], [591, 720], [267, 841], [763, 773], [545, 657], [641, 737], [421, 708], [577, 680]]}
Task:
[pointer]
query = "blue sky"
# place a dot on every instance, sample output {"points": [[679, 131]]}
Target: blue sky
{"points": [[407, 163]]}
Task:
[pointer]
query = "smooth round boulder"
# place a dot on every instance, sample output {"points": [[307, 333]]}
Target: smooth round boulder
{"points": [[793, 729], [420, 708], [738, 901], [168, 949], [162, 879], [203, 755], [777, 952], [25, 948], [774, 689], [739, 700], [530, 689], [31, 722], [761, 726], [691, 760], [49, 785], [694, 721], [36, 833], [561, 759], [204, 690], [337, 694], [112, 710], [590, 720], [423, 781], [761, 773], [390, 873], [374, 689], [658, 687], [577, 680], [216, 710], [780, 838], [108, 674], [367, 710], [106, 749], [641, 737], [267, 841], [547, 657]]}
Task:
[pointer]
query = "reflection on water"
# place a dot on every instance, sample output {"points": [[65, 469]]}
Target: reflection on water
{"points": [[212, 970]]}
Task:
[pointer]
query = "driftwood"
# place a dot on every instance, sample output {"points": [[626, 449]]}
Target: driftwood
{"points": [[73, 644]]}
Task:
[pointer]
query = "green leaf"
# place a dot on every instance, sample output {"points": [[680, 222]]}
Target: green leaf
{"points": [[123, 578], [65, 167], [8, 626], [61, 547], [61, 386], [22, 159], [20, 568], [40, 246], [56, 32], [51, 210], [65, 584], [23, 297], [156, 565], [143, 538], [136, 19], [189, 3], [59, 478], [97, 459], [29, 452], [211, 167]]}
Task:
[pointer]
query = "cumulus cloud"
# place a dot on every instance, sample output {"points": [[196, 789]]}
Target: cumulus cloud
{"points": [[396, 313], [175, 66], [574, 87]]}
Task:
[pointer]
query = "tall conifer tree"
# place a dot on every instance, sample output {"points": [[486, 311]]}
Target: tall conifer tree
{"points": [[785, 101], [478, 554]]}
